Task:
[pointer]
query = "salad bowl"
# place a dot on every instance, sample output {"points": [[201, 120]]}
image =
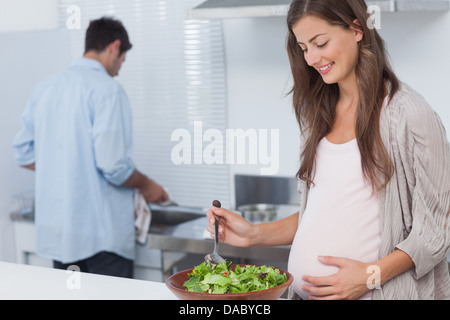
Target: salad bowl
{"points": [[176, 284]]}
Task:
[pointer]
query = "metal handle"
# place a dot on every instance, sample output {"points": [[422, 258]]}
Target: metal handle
{"points": [[217, 204]]}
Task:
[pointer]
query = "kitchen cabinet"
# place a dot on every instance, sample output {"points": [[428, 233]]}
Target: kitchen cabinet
{"points": [[25, 235], [150, 264]]}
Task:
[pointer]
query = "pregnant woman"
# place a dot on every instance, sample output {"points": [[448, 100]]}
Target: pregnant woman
{"points": [[374, 179]]}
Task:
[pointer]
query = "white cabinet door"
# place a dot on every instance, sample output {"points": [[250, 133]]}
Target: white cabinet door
{"points": [[148, 265], [25, 238]]}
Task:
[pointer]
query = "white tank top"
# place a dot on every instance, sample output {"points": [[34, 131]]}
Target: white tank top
{"points": [[341, 215]]}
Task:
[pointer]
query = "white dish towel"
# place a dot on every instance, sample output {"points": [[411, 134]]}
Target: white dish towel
{"points": [[143, 217]]}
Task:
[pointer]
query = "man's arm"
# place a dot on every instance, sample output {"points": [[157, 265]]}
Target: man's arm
{"points": [[152, 191], [30, 166]]}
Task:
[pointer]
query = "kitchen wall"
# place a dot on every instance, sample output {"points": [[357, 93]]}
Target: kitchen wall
{"points": [[25, 58], [258, 80]]}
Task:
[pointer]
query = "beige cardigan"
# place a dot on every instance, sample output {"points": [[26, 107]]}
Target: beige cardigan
{"points": [[415, 205]]}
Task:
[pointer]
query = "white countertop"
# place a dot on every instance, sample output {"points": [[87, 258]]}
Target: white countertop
{"points": [[18, 281]]}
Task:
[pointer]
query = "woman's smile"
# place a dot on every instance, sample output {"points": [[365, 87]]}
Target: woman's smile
{"points": [[325, 69]]}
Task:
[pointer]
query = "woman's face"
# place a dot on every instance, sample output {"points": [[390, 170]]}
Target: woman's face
{"points": [[331, 50]]}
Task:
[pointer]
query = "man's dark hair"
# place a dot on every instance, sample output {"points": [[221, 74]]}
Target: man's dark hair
{"points": [[104, 31]]}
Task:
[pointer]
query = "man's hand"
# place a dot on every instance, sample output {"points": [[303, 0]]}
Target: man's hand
{"points": [[154, 193], [151, 191], [30, 166]]}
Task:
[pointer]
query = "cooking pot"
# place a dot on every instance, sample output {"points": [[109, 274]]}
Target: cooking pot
{"points": [[259, 212]]}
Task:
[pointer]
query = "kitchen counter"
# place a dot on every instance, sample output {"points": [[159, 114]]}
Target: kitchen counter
{"points": [[20, 281], [190, 237]]}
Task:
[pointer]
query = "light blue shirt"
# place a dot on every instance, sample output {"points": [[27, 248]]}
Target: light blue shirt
{"points": [[77, 129]]}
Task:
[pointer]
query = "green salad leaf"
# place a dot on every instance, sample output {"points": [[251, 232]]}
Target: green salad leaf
{"points": [[220, 279]]}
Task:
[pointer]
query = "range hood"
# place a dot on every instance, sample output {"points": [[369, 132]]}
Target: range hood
{"points": [[221, 9]]}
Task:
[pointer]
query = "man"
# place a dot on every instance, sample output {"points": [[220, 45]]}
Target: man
{"points": [[77, 136]]}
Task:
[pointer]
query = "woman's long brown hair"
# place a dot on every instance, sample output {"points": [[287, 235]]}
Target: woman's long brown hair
{"points": [[315, 101]]}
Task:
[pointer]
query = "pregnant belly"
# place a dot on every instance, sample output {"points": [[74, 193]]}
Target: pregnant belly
{"points": [[315, 238]]}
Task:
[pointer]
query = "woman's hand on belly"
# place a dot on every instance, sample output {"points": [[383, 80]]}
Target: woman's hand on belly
{"points": [[350, 282]]}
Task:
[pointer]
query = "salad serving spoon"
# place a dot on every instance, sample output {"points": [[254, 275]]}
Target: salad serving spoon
{"points": [[214, 258]]}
